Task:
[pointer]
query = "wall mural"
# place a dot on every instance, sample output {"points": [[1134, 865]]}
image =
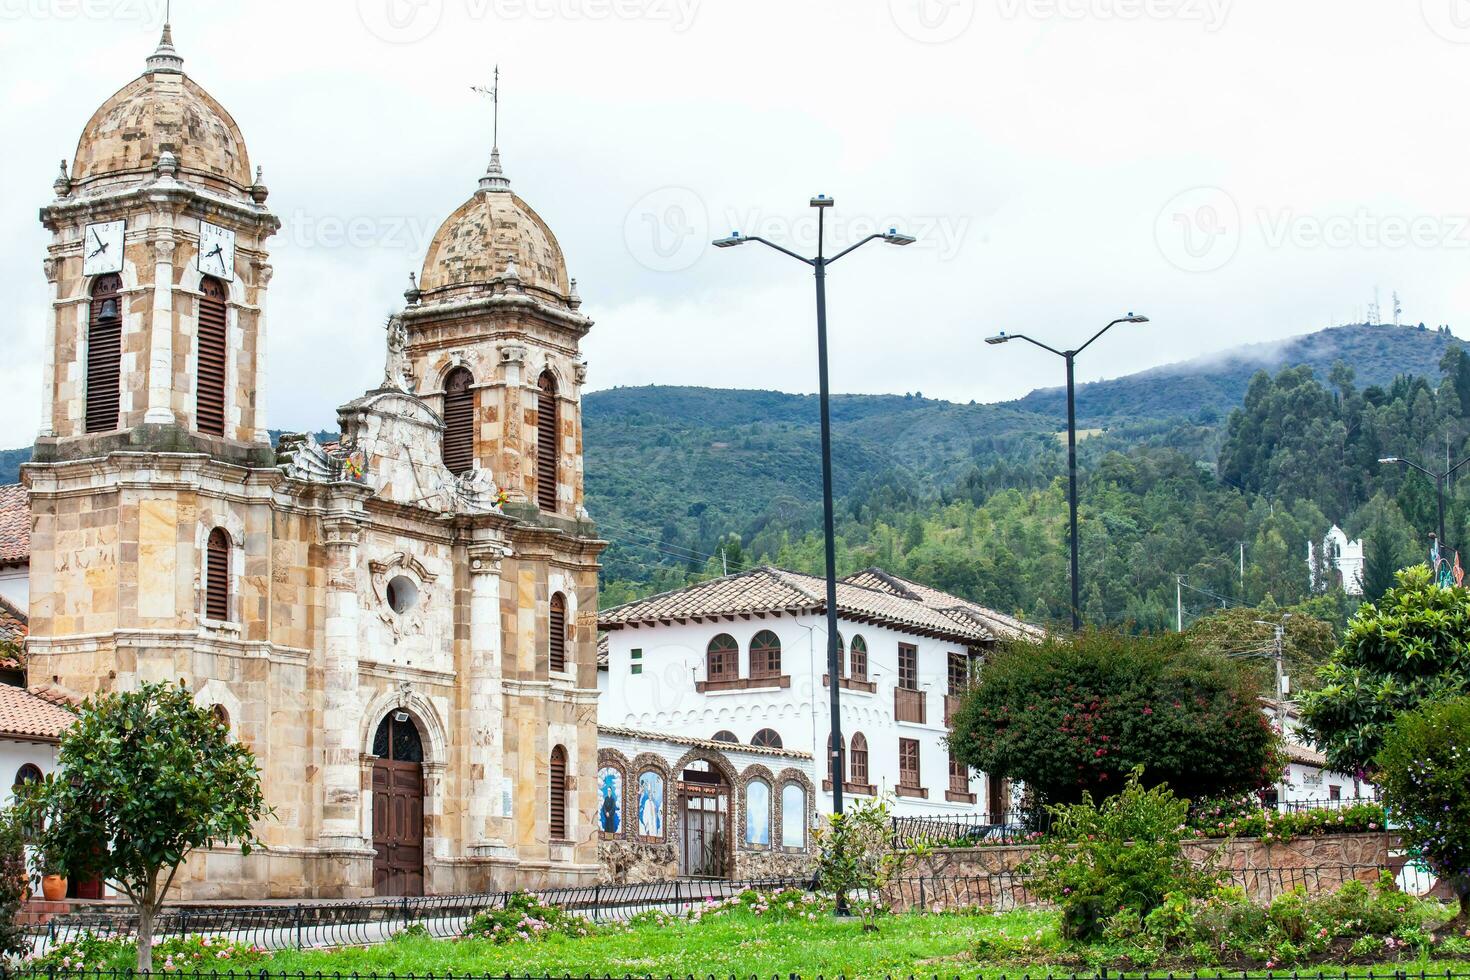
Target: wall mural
{"points": [[650, 805], [793, 816], [610, 792], [757, 812]]}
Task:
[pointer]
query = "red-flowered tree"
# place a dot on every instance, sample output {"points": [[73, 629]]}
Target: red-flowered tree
{"points": [[1076, 715]]}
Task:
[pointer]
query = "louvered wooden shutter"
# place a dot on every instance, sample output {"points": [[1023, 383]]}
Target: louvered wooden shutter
{"points": [[559, 793], [857, 762], [104, 354], [459, 421], [558, 630], [546, 448], [209, 408], [217, 576]]}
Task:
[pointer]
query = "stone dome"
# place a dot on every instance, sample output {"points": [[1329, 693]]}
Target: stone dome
{"points": [[478, 243], [163, 110]]}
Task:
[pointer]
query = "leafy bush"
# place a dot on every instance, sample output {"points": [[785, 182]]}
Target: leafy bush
{"points": [[1410, 648], [782, 905], [13, 882], [1076, 715], [1426, 774], [525, 919], [1122, 855], [858, 857], [175, 954], [1246, 818]]}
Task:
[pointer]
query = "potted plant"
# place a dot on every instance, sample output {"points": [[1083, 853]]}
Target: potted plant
{"points": [[53, 877]]}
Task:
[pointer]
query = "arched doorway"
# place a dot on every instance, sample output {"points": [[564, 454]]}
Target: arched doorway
{"points": [[704, 822], [398, 806]]}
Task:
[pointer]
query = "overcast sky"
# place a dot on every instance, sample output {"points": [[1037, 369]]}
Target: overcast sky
{"points": [[1239, 170]]}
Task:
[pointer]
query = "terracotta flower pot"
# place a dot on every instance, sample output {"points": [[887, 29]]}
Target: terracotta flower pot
{"points": [[54, 887]]}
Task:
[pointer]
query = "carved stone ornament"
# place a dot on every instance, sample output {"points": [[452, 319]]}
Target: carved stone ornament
{"points": [[398, 371], [300, 457], [475, 492], [409, 621], [512, 354]]}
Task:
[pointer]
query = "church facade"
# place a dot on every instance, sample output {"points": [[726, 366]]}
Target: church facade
{"points": [[401, 625]]}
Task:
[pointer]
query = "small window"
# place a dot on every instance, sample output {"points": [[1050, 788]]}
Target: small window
{"points": [[908, 667], [547, 454], [766, 738], [858, 670], [765, 655], [959, 673], [558, 793], [221, 716], [908, 763], [793, 816], [557, 627], [722, 659], [217, 576], [1334, 792], [726, 737], [27, 774], [857, 760], [758, 812], [459, 421], [402, 593], [636, 656]]}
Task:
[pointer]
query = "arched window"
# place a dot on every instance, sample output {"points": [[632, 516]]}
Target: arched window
{"points": [[397, 739], [650, 805], [104, 354], [766, 738], [610, 800], [213, 341], [217, 576], [221, 716], [793, 816], [547, 452], [758, 812], [765, 655], [27, 774], [722, 658], [557, 626], [459, 421], [857, 760], [727, 737], [558, 780], [841, 656], [858, 669]]}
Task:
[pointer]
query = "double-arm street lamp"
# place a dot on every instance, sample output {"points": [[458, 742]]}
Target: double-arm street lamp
{"points": [[1070, 357], [834, 663], [1439, 484]]}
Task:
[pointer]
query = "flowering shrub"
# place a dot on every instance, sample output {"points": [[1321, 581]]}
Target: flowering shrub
{"points": [[172, 955], [524, 919], [783, 905], [1244, 817]]}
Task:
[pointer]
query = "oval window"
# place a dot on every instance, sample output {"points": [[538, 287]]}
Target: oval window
{"points": [[403, 594]]}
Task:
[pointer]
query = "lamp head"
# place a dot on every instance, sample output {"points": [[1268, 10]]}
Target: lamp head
{"points": [[734, 239], [822, 201], [1390, 459], [894, 238], [1135, 318], [999, 338]]}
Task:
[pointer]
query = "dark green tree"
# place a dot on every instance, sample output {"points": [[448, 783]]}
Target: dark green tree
{"points": [[1380, 563], [1076, 715]]}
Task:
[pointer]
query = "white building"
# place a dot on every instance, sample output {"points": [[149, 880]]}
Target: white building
{"points": [[741, 661], [1342, 558], [1308, 780]]}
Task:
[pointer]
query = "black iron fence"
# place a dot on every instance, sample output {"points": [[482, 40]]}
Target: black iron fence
{"points": [[359, 923], [1388, 971], [968, 829]]}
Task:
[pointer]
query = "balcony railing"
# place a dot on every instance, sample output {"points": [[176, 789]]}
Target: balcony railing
{"points": [[952, 704], [908, 705]]}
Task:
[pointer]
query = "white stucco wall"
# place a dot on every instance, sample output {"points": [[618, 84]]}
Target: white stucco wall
{"points": [[663, 697], [14, 754]]}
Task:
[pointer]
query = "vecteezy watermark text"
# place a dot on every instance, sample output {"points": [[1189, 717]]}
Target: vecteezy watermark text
{"points": [[410, 21], [142, 12]]}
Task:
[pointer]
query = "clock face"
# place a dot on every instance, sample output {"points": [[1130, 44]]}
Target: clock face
{"points": [[102, 248], [216, 251]]}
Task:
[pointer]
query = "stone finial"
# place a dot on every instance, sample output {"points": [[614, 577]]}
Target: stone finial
{"points": [[574, 298], [495, 180], [63, 182], [512, 270], [258, 191], [167, 166], [165, 58], [413, 294]]}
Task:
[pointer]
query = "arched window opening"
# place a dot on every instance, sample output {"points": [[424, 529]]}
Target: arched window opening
{"points": [[841, 656], [793, 816], [726, 737], [722, 658], [397, 739], [558, 794], [558, 629], [765, 655], [857, 760], [213, 341], [459, 421], [546, 443], [217, 576], [758, 812], [766, 738], [104, 354], [858, 668], [28, 774], [221, 716]]}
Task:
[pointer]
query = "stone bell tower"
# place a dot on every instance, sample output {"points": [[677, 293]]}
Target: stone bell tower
{"points": [[159, 270]]}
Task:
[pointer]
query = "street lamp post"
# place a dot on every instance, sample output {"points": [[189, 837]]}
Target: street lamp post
{"points": [[1070, 356], [1439, 485], [837, 763]]}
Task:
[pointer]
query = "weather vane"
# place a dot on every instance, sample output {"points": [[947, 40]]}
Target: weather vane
{"points": [[494, 93]]}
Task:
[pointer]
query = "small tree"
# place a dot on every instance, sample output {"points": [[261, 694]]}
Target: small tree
{"points": [[1075, 715], [1424, 768], [1307, 642], [146, 778], [1122, 855], [858, 857], [1412, 646], [13, 883]]}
